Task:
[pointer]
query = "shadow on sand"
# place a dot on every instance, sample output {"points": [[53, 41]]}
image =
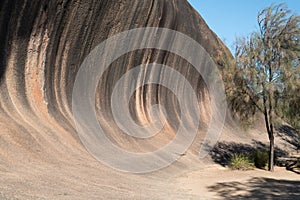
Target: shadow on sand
{"points": [[223, 151], [289, 135], [258, 188]]}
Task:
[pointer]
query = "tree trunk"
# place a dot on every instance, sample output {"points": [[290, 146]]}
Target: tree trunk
{"points": [[271, 134], [269, 126], [271, 153]]}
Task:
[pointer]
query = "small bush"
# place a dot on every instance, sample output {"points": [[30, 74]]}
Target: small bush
{"points": [[261, 158], [298, 164], [240, 162]]}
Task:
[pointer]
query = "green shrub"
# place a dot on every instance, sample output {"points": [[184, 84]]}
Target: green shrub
{"points": [[261, 158], [240, 162], [298, 164]]}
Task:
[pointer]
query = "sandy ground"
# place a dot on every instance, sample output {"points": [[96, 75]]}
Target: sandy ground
{"points": [[93, 181], [222, 183]]}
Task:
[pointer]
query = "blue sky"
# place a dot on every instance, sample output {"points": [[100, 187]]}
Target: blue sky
{"points": [[231, 18]]}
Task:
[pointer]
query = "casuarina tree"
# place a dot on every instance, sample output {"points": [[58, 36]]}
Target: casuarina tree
{"points": [[268, 63]]}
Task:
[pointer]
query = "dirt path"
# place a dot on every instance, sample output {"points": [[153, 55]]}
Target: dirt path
{"points": [[222, 183], [92, 181]]}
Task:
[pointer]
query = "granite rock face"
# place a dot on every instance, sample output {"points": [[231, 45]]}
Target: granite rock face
{"points": [[43, 44]]}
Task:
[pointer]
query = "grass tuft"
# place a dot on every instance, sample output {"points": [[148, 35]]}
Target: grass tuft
{"points": [[240, 162]]}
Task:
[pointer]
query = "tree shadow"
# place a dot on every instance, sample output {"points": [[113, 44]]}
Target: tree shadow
{"points": [[290, 135], [223, 151], [258, 188]]}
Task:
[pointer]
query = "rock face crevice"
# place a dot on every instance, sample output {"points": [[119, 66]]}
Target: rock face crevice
{"points": [[43, 44]]}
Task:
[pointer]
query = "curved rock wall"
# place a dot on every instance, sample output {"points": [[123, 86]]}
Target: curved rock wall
{"points": [[43, 44]]}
